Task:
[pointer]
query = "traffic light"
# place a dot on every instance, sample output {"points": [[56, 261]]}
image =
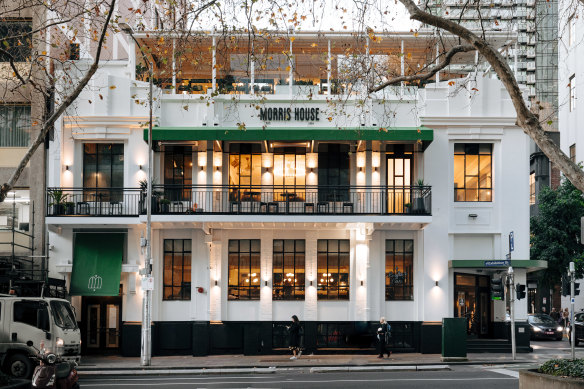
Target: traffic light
{"points": [[497, 291], [520, 290], [576, 288], [565, 285]]}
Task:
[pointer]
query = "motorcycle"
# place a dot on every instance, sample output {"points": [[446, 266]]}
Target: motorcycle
{"points": [[52, 372]]}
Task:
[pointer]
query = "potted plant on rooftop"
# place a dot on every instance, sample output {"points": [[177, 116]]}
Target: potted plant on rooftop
{"points": [[143, 193]]}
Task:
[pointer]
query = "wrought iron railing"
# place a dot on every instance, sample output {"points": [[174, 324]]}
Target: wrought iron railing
{"points": [[265, 199]]}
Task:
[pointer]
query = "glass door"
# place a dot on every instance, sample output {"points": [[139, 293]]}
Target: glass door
{"points": [[93, 325], [112, 331], [399, 180]]}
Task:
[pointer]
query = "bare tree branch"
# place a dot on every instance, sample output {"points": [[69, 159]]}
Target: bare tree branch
{"points": [[424, 76], [526, 119], [48, 124]]}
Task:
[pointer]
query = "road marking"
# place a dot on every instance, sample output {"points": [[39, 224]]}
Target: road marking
{"points": [[165, 378], [85, 384], [510, 373]]}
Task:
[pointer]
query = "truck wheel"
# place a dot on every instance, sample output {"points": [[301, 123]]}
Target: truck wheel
{"points": [[19, 366]]}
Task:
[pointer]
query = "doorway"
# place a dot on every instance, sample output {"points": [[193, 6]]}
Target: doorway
{"points": [[399, 178], [472, 300], [101, 320]]}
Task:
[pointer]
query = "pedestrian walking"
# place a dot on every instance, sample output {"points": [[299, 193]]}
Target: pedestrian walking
{"points": [[294, 331], [555, 315], [566, 316], [383, 335]]}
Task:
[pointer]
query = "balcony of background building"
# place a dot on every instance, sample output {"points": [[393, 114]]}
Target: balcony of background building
{"points": [[233, 200]]}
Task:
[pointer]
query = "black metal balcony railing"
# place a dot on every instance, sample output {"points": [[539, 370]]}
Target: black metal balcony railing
{"points": [[265, 199]]}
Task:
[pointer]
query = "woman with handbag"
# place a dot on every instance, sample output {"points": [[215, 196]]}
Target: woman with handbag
{"points": [[383, 334]]}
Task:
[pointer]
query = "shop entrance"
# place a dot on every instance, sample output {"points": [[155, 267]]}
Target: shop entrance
{"points": [[101, 320], [472, 301]]}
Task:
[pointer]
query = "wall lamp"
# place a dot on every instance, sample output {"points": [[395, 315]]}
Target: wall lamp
{"points": [[216, 282], [473, 215], [310, 282], [266, 283], [375, 168], [361, 282], [66, 167], [360, 168], [436, 282], [140, 166], [217, 169]]}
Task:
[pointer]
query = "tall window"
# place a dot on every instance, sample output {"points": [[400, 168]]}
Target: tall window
{"points": [[399, 266], [177, 269], [572, 86], [333, 269], [532, 188], [289, 173], [103, 167], [573, 153], [17, 38], [244, 269], [333, 172], [288, 269], [473, 172], [14, 125], [245, 171], [178, 172]]}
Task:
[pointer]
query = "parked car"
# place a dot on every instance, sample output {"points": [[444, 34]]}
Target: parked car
{"points": [[579, 324], [543, 326]]}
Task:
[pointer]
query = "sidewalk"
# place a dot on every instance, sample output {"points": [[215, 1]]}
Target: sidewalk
{"points": [[261, 363]]}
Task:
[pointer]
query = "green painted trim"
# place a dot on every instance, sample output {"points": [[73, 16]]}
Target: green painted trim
{"points": [[421, 133], [480, 263]]}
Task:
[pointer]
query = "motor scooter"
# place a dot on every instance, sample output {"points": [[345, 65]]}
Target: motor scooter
{"points": [[53, 372]]}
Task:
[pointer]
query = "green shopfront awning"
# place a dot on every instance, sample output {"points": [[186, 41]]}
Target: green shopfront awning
{"points": [[414, 134], [530, 265], [97, 264]]}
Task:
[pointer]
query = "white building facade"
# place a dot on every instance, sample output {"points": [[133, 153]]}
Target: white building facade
{"points": [[336, 215]]}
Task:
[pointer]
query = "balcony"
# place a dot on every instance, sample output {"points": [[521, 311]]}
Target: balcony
{"points": [[229, 200]]}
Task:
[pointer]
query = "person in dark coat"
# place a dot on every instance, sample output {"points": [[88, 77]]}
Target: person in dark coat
{"points": [[294, 330], [382, 335]]}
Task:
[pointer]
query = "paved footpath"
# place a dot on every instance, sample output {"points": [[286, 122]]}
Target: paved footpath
{"points": [[224, 364]]}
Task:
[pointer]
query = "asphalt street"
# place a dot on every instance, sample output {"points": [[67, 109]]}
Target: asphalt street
{"points": [[478, 377]]}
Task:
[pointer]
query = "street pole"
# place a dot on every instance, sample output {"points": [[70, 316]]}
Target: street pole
{"points": [[146, 336], [511, 282], [572, 324]]}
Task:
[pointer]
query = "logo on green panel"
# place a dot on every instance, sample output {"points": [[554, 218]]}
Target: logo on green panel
{"points": [[94, 283]]}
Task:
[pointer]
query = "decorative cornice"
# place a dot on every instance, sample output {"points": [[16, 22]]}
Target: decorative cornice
{"points": [[105, 121], [469, 121]]}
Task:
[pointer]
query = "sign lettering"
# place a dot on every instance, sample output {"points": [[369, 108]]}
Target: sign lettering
{"points": [[286, 114]]}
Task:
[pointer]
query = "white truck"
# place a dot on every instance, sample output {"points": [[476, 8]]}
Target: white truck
{"points": [[48, 322]]}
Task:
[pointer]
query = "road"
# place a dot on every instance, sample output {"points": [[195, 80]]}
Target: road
{"points": [[478, 377]]}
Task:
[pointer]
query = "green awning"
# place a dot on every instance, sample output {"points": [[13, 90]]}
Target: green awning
{"points": [[414, 134], [497, 264], [97, 264]]}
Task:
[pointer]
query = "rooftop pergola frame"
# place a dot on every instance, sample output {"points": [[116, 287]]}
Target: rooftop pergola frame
{"points": [[203, 62]]}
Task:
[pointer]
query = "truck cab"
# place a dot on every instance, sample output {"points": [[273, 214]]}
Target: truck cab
{"points": [[48, 323]]}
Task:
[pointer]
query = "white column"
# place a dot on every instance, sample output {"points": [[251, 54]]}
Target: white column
{"points": [[360, 270], [310, 298], [329, 68], [131, 58], [214, 65], [215, 291], [267, 249], [290, 72], [437, 62], [174, 66], [403, 66]]}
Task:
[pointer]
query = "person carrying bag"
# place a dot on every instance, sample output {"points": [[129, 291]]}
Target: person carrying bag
{"points": [[383, 337]]}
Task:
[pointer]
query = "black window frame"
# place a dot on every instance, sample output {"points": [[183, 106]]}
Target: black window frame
{"points": [[334, 177], [474, 149], [295, 291], [113, 190], [251, 287], [184, 287], [324, 290], [237, 191], [32, 321], [178, 184], [405, 278]]}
